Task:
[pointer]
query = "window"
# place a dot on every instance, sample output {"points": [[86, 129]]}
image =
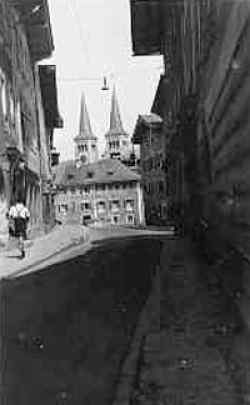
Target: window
{"points": [[18, 124], [117, 186], [100, 187], [101, 206], [3, 93], [93, 146], [161, 186], [12, 108], [85, 206], [82, 148], [87, 190], [129, 204], [130, 219], [63, 208], [115, 219], [115, 205], [90, 174]]}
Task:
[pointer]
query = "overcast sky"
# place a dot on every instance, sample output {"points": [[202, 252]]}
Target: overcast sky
{"points": [[92, 39]]}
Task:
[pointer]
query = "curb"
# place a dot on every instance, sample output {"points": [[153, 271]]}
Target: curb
{"points": [[129, 370]]}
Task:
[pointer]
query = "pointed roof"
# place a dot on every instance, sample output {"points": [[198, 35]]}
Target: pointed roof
{"points": [[116, 126], [85, 131]]}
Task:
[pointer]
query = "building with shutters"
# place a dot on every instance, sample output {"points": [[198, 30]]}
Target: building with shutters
{"points": [[106, 192]]}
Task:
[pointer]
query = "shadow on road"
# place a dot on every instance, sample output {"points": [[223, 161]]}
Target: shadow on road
{"points": [[66, 329]]}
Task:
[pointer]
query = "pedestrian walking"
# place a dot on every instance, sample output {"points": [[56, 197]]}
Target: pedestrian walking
{"points": [[19, 216]]}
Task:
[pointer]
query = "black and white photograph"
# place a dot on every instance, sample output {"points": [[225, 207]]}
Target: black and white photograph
{"points": [[124, 192]]}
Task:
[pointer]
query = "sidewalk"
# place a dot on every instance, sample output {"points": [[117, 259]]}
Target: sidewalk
{"points": [[64, 242], [42, 249], [189, 359]]}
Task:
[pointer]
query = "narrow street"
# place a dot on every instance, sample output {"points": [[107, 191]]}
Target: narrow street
{"points": [[68, 327]]}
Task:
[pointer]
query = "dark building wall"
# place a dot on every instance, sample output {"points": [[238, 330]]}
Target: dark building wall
{"points": [[206, 54], [20, 125]]}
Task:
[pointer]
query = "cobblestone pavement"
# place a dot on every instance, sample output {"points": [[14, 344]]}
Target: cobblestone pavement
{"points": [[187, 361]]}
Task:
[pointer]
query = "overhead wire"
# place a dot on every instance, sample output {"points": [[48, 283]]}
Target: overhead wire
{"points": [[71, 6]]}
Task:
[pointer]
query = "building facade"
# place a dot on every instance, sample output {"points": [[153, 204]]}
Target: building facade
{"points": [[49, 120], [25, 39], [105, 192], [149, 135], [205, 49]]}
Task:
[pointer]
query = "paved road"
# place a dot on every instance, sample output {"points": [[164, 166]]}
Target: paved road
{"points": [[66, 329]]}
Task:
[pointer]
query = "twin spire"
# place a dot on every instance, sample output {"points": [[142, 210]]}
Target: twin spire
{"points": [[85, 130], [115, 116]]}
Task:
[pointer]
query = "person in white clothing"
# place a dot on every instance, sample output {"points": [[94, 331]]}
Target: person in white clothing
{"points": [[19, 215]]}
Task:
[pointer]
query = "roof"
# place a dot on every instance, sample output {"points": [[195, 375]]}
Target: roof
{"points": [[102, 171], [34, 14], [164, 95], [116, 127], [47, 76], [85, 130], [145, 121], [151, 119], [146, 26]]}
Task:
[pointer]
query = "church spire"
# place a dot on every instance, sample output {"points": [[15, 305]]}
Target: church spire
{"points": [[85, 131], [86, 150], [115, 116], [117, 140]]}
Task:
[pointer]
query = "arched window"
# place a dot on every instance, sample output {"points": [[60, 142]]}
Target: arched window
{"points": [[3, 95]]}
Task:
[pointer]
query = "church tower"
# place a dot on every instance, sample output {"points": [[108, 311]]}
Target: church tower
{"points": [[117, 140], [85, 142]]}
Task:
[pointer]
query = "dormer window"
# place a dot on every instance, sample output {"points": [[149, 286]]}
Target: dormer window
{"points": [[110, 172], [70, 176], [90, 174]]}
